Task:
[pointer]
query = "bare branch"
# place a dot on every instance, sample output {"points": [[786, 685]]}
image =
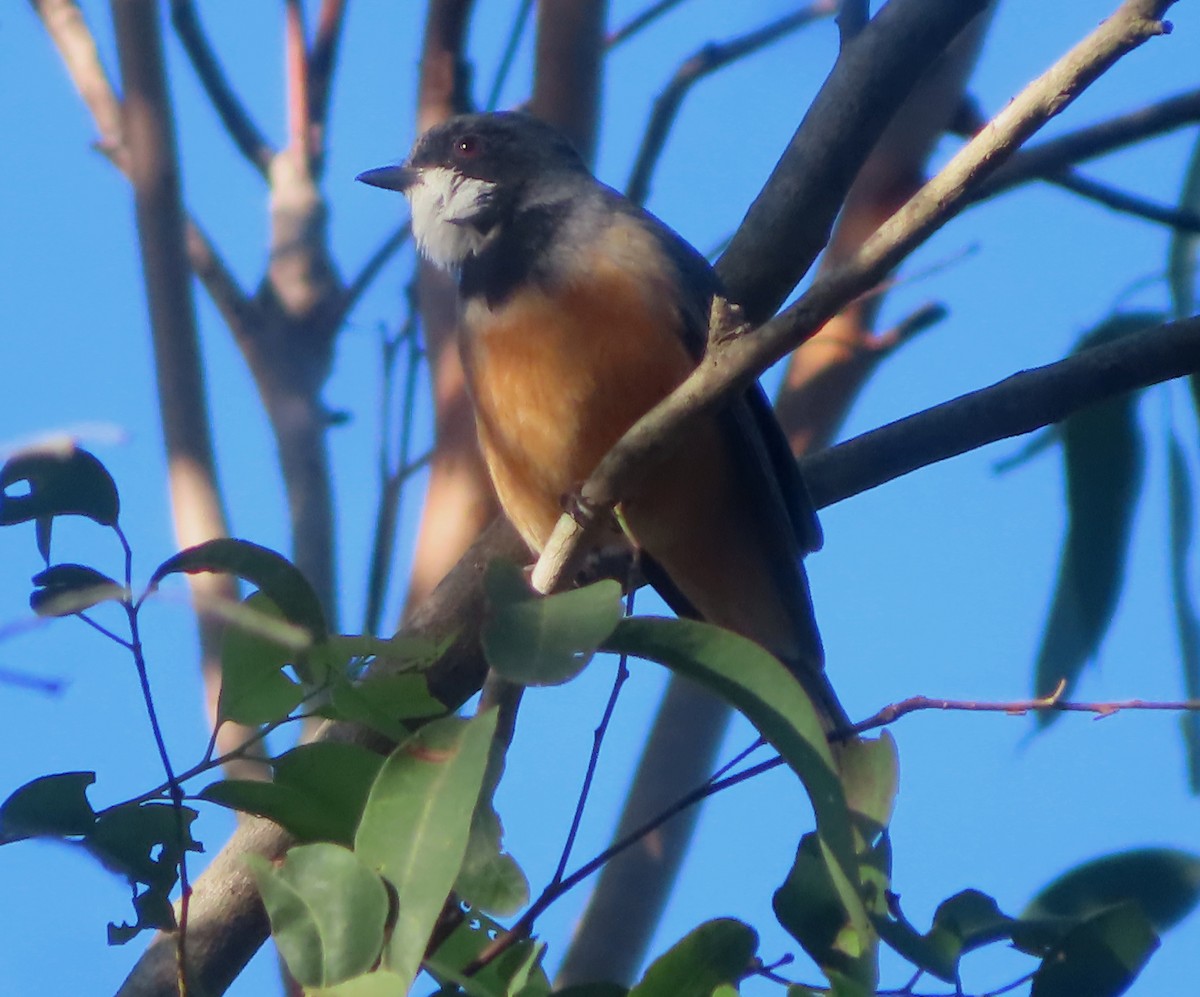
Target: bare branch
{"points": [[852, 18], [1020, 707], [568, 61], [1130, 204], [870, 80], [444, 87], [1019, 404], [515, 33], [296, 58], [1046, 158], [370, 269], [735, 358], [246, 135], [640, 21], [709, 59], [322, 59]]}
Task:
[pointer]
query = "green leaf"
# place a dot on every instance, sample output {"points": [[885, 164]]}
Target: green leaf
{"points": [[962, 923], [490, 879], [1105, 461], [143, 843], [718, 951], [1100, 957], [752, 680], [870, 770], [545, 641], [1184, 246], [1187, 623], [271, 573], [823, 917], [381, 983], [57, 482], [593, 990], [254, 688], [52, 805], [327, 911], [318, 792], [386, 703], [1162, 882], [416, 823], [66, 589]]}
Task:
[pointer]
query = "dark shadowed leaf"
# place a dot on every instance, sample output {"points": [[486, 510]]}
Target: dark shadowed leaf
{"points": [[271, 573], [1104, 454], [65, 589], [327, 911], [416, 823], [41, 483], [318, 792], [719, 951], [1187, 624], [593, 990], [55, 805], [1099, 957], [254, 688], [1163, 882], [142, 842], [545, 641], [1183, 247], [817, 911]]}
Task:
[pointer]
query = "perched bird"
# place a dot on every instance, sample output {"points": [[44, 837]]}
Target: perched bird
{"points": [[577, 312]]}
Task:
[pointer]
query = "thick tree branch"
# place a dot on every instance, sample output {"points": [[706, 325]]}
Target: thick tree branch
{"points": [[735, 357], [568, 65], [796, 209], [1019, 404], [246, 135]]}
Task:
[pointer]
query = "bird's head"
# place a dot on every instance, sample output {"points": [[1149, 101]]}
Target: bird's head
{"points": [[465, 179]]}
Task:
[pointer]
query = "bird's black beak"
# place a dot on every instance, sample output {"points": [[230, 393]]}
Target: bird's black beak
{"points": [[399, 178]]}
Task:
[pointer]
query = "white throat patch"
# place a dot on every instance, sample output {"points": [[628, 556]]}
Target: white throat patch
{"points": [[443, 204]]}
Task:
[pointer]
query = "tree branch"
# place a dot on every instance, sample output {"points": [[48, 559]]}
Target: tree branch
{"points": [[709, 59], [735, 357], [246, 135], [872, 77], [1047, 158], [568, 65], [1130, 204], [322, 59]]}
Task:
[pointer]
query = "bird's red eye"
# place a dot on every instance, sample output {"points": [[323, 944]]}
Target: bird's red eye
{"points": [[468, 146]]}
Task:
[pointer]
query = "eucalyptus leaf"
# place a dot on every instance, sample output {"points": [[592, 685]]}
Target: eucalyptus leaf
{"points": [[416, 824], [327, 911], [715, 953]]}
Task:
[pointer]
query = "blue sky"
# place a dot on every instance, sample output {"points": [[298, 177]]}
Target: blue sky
{"points": [[937, 583]]}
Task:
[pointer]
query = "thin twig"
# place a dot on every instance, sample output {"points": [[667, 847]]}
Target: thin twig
{"points": [[1018, 707], [234, 115], [370, 269], [1131, 204], [1072, 148], [709, 59], [640, 21], [515, 33], [619, 680]]}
